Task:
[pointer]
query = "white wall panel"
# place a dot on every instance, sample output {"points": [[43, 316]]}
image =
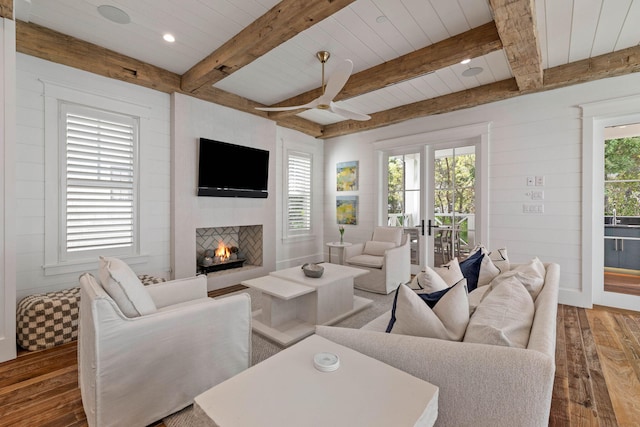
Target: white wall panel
{"points": [[30, 170]]}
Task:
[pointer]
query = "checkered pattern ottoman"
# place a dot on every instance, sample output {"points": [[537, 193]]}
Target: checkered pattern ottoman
{"points": [[46, 320]]}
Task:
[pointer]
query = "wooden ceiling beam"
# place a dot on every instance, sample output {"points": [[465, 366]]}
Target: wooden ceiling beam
{"points": [[516, 23], [6, 9], [41, 42], [613, 64], [282, 22], [443, 104], [470, 44]]}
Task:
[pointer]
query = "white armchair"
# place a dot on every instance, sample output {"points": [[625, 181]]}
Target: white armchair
{"points": [[134, 371], [387, 256]]}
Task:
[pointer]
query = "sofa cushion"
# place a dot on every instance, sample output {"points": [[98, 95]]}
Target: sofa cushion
{"points": [[470, 268], [447, 320], [123, 285], [476, 296], [366, 261], [377, 248], [503, 317], [450, 272], [428, 281], [530, 275]]}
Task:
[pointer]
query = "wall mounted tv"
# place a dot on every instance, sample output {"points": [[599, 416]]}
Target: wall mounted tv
{"points": [[230, 170]]}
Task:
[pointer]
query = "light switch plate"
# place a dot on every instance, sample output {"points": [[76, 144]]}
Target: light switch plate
{"points": [[540, 180], [531, 181]]}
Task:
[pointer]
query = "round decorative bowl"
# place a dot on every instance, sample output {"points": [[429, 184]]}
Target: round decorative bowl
{"points": [[313, 270]]}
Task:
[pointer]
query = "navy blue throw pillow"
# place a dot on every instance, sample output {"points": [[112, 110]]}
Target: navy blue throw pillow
{"points": [[470, 268]]}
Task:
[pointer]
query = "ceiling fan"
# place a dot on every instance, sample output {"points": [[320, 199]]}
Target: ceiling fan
{"points": [[334, 85]]}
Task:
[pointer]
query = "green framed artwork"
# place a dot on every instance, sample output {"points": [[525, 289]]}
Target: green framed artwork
{"points": [[347, 210], [347, 176]]}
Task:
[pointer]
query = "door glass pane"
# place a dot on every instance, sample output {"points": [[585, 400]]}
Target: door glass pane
{"points": [[403, 202], [454, 203]]}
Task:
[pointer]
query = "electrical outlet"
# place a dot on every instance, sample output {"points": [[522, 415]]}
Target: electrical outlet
{"points": [[531, 181], [540, 180], [537, 195]]}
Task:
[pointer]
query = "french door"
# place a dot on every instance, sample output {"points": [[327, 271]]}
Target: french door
{"points": [[431, 193]]}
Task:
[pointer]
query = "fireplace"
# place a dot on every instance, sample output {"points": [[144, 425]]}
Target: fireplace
{"points": [[219, 249]]}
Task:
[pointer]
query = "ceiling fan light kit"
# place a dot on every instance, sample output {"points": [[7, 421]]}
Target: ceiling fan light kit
{"points": [[329, 91]]}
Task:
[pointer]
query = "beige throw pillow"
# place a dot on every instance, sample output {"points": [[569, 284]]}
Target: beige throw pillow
{"points": [[531, 275], [447, 320], [428, 281], [503, 317], [124, 286], [377, 248], [500, 259], [450, 272]]}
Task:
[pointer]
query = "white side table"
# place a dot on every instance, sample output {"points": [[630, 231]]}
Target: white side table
{"points": [[340, 247]]}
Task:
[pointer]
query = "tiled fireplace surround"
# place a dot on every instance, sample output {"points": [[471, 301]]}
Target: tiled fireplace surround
{"points": [[248, 238]]}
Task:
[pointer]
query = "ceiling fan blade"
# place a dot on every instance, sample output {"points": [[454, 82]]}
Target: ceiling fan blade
{"points": [[348, 114], [337, 81], [311, 104]]}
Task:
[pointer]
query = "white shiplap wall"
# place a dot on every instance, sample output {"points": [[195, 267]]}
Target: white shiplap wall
{"points": [[537, 134], [30, 170]]}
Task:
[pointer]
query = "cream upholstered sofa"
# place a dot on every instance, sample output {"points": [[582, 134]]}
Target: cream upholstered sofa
{"points": [[480, 384], [134, 371], [386, 256]]}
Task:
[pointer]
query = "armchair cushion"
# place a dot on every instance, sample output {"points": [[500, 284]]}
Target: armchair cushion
{"points": [[388, 234], [124, 287], [367, 261], [376, 248]]}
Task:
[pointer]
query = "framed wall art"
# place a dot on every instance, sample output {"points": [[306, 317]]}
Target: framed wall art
{"points": [[347, 176], [347, 210]]}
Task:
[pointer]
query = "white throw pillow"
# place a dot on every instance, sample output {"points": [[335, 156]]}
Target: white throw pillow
{"points": [[428, 281], [124, 286], [450, 272], [503, 317], [531, 275], [377, 248], [447, 320], [500, 259], [488, 271]]}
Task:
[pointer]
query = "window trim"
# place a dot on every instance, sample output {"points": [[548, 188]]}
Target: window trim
{"points": [[54, 93]]}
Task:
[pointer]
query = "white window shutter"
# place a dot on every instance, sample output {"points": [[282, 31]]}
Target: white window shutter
{"points": [[99, 180], [298, 193]]}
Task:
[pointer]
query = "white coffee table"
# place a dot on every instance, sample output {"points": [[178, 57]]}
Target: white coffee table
{"points": [[293, 304], [287, 390]]}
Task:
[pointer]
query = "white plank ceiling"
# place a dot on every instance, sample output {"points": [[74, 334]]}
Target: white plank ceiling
{"points": [[368, 32]]}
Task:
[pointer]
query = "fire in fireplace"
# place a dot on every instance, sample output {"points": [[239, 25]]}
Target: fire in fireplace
{"points": [[222, 258]]}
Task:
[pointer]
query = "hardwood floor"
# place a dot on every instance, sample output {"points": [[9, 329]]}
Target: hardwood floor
{"points": [[597, 379], [622, 283]]}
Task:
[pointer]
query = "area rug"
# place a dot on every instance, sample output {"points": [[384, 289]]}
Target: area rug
{"points": [[263, 348]]}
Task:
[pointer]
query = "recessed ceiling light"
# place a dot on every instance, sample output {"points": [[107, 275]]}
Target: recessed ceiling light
{"points": [[169, 38], [114, 14], [381, 19], [465, 61], [473, 71]]}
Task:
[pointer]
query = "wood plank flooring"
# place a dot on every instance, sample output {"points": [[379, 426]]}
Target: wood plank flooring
{"points": [[597, 380], [622, 283]]}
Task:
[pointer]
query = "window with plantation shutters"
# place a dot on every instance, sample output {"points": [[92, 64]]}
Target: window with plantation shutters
{"points": [[99, 181], [298, 193]]}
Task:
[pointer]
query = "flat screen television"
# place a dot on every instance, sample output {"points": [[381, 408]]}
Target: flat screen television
{"points": [[230, 170]]}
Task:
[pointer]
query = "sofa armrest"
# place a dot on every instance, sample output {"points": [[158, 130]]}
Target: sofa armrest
{"points": [[353, 250], [480, 385], [177, 291]]}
